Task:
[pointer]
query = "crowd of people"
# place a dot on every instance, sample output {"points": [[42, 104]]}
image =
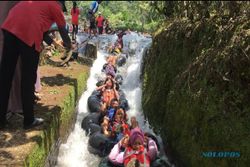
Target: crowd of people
{"points": [[133, 147], [23, 41], [21, 48], [96, 24]]}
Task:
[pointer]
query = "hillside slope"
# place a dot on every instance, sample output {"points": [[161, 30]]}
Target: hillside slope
{"points": [[196, 82]]}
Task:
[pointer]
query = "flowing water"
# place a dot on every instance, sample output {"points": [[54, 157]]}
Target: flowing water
{"points": [[74, 152]]}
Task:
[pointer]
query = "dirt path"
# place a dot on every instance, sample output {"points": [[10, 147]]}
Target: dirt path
{"points": [[16, 143]]}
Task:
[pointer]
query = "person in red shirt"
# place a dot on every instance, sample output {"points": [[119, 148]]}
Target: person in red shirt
{"points": [[100, 20], [24, 30], [74, 13]]}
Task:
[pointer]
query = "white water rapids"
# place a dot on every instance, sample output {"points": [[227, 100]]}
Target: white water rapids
{"points": [[74, 152]]}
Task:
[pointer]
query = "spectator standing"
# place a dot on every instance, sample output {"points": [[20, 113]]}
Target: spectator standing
{"points": [[74, 19], [14, 99], [100, 20], [92, 27], [91, 16], [23, 38]]}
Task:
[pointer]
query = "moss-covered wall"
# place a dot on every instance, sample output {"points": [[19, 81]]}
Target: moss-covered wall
{"points": [[196, 83], [60, 124]]}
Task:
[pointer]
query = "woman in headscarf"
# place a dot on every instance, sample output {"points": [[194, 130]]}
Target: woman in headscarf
{"points": [[136, 155]]}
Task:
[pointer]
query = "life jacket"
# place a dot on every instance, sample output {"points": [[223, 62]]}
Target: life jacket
{"points": [[131, 157]]}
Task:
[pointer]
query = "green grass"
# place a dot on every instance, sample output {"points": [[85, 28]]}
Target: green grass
{"points": [[60, 124]]}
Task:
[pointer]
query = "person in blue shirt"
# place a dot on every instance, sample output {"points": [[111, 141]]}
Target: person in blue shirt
{"points": [[91, 16], [94, 7]]}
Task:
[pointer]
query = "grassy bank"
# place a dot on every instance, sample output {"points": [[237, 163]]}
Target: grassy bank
{"points": [[60, 123]]}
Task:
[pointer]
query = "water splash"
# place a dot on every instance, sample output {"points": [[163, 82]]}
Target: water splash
{"points": [[74, 152]]}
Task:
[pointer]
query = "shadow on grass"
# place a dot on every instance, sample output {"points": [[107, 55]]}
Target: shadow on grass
{"points": [[14, 135]]}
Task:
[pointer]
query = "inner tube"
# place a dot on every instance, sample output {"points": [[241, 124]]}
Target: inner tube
{"points": [[96, 93], [160, 161], [123, 101], [93, 128], [121, 61], [119, 79], [92, 118], [157, 163], [94, 102], [153, 137], [100, 144], [106, 163]]}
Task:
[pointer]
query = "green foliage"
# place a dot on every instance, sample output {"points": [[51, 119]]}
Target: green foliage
{"points": [[60, 125], [134, 15], [199, 9], [148, 15], [203, 76]]}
